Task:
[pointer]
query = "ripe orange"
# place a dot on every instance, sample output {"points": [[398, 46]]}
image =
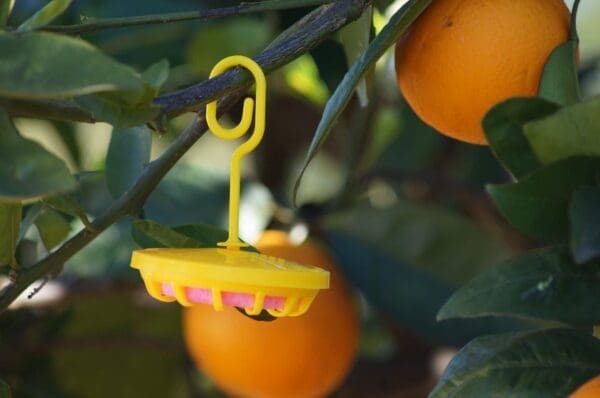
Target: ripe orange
{"points": [[591, 389], [306, 356], [461, 57]]}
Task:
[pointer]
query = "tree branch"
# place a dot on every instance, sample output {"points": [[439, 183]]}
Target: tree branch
{"points": [[303, 36], [95, 24], [306, 35]]}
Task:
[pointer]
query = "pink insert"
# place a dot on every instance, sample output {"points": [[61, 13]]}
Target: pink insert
{"points": [[233, 299]]}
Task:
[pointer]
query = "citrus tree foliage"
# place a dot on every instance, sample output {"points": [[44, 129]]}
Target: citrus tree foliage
{"points": [[524, 317]]}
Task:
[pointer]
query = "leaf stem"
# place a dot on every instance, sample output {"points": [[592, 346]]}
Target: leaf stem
{"points": [[96, 24]]}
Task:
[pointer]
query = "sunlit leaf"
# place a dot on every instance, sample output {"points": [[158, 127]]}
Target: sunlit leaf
{"points": [[573, 130], [547, 363], [543, 284], [397, 25], [53, 228], [6, 7], [27, 170], [44, 16], [47, 65], [10, 219]]}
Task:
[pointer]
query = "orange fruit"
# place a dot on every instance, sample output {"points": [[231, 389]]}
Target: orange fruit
{"points": [[591, 389], [461, 57], [305, 356]]}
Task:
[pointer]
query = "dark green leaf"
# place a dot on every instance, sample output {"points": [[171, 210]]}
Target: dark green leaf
{"points": [[538, 204], [53, 228], [206, 235], [10, 219], [44, 16], [543, 284], [46, 65], [545, 364], [4, 390], [394, 287], [503, 126], [5, 9], [151, 234], [27, 170], [585, 225], [397, 25], [559, 82], [573, 130], [128, 154], [437, 241], [109, 109]]}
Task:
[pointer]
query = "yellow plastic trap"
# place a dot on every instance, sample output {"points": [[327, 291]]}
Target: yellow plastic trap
{"points": [[229, 276]]}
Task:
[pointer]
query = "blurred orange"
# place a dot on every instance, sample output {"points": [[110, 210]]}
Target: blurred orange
{"points": [[306, 356]]}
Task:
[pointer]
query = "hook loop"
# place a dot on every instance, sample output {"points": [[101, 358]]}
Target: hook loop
{"points": [[259, 107]]}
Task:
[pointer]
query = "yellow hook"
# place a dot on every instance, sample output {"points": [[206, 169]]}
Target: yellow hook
{"points": [[233, 241]]}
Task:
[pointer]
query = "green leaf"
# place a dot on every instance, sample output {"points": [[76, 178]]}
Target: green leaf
{"points": [[538, 204], [4, 390], [397, 25], [243, 36], [413, 253], [393, 286], [542, 284], [573, 130], [108, 109], [44, 16], [355, 40], [503, 126], [6, 7], [156, 74], [46, 65], [444, 244], [585, 225], [65, 203], [149, 234], [128, 154], [547, 363], [27, 170], [559, 81], [10, 219], [53, 228]]}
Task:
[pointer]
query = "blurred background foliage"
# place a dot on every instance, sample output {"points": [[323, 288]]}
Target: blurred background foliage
{"points": [[430, 227]]}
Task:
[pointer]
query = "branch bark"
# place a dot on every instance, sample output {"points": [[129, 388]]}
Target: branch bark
{"points": [[96, 24], [303, 36]]}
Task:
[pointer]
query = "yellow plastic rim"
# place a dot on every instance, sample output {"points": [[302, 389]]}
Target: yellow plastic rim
{"points": [[222, 277]]}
